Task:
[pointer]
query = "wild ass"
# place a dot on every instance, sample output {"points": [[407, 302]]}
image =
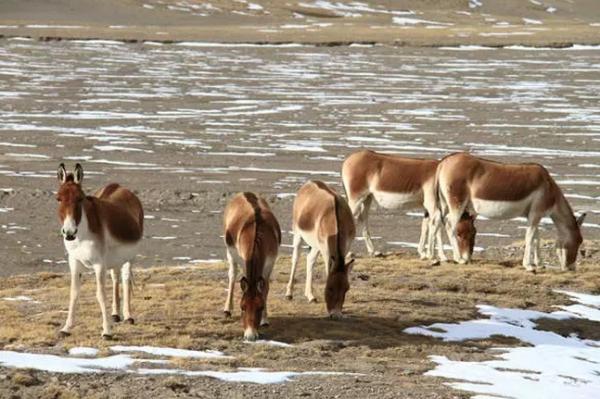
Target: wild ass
{"points": [[504, 191], [252, 236], [323, 220], [100, 232], [396, 182]]}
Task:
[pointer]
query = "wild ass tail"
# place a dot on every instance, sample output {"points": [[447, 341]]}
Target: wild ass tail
{"points": [[340, 261], [251, 267]]}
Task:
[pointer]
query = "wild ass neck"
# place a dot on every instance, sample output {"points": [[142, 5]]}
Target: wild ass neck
{"points": [[564, 219]]}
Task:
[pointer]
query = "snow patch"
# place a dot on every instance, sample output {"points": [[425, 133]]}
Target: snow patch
{"points": [[554, 366]]}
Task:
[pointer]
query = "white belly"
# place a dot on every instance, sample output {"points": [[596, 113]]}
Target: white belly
{"points": [[390, 200], [501, 209]]}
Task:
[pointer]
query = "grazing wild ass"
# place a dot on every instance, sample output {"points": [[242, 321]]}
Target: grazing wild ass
{"points": [[504, 191], [324, 221], [100, 232], [396, 182], [252, 236]]}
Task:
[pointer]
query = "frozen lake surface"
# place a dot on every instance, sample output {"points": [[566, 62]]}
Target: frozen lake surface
{"points": [[186, 125]]}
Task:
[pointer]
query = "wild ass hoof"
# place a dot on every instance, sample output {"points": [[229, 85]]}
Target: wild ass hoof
{"points": [[63, 334], [227, 314], [377, 254], [312, 300], [264, 323], [107, 337], [289, 297], [129, 321], [434, 262], [116, 318]]}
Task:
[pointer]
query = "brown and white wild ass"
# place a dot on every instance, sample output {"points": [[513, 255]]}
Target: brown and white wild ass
{"points": [[252, 236], [100, 232], [396, 182], [324, 221], [504, 191]]}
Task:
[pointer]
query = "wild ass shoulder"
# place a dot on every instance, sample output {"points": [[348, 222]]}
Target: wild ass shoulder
{"points": [[504, 191], [324, 221], [396, 182], [100, 232], [252, 237]]}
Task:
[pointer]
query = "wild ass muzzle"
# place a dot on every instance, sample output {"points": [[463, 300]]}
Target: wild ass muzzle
{"points": [[396, 182], [324, 221], [252, 237], [505, 191], [100, 232]]}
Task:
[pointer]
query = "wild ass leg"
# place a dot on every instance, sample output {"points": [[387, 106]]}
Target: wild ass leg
{"points": [[311, 259], [297, 244], [423, 239], [536, 248], [453, 243], [453, 218], [529, 238], [264, 321], [127, 279], [116, 305], [440, 246], [101, 296], [75, 268], [232, 273], [360, 210], [429, 203], [435, 221]]}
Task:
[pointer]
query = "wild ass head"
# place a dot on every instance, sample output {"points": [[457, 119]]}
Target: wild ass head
{"points": [[465, 235], [568, 244], [252, 305], [337, 285], [70, 198]]}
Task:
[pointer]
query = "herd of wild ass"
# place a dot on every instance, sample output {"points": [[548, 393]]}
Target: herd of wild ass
{"points": [[102, 231]]}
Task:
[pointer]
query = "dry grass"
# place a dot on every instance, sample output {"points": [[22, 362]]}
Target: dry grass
{"points": [[183, 308]]}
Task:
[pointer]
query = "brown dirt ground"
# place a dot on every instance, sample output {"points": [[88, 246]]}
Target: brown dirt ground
{"points": [[181, 307]]}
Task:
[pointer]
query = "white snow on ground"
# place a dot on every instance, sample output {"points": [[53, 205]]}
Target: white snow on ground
{"points": [[416, 21], [172, 352], [61, 364], [553, 367], [20, 298], [270, 342], [83, 351], [126, 363]]}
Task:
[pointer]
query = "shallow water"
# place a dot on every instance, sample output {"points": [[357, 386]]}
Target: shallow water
{"points": [[179, 121]]}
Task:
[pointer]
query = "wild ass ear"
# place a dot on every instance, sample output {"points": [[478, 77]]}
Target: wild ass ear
{"points": [[260, 285], [78, 174], [61, 173], [244, 284], [580, 219]]}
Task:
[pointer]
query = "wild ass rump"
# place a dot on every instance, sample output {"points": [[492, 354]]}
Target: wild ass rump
{"points": [[504, 191], [323, 220], [100, 232], [252, 236], [396, 182]]}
